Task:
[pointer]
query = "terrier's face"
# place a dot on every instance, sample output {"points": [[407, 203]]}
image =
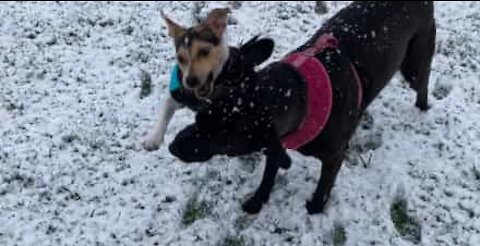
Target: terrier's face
{"points": [[201, 51]]}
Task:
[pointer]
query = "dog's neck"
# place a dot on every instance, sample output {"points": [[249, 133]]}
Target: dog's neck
{"points": [[233, 72]]}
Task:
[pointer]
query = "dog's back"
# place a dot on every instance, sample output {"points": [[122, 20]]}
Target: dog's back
{"points": [[376, 36]]}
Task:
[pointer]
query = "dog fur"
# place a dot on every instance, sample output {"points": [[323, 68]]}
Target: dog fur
{"points": [[203, 58], [377, 38]]}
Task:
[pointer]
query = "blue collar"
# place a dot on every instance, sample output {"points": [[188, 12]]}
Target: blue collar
{"points": [[174, 79]]}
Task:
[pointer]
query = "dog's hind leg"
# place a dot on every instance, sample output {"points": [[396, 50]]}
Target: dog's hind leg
{"points": [[262, 194], [417, 64], [330, 168]]}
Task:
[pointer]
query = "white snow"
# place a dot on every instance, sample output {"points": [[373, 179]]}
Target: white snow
{"points": [[71, 172]]}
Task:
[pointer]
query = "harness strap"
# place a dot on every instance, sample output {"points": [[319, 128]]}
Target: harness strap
{"points": [[323, 42], [319, 93]]}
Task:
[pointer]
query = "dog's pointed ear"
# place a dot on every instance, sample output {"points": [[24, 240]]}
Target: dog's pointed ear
{"points": [[174, 29], [256, 51], [217, 20]]}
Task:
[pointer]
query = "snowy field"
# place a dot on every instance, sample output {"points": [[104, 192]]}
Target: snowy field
{"points": [[71, 171]]}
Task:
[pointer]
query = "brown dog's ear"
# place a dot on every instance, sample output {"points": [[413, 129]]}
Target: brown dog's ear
{"points": [[217, 20], [174, 30]]}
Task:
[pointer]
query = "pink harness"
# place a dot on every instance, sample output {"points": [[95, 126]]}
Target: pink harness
{"points": [[319, 95]]}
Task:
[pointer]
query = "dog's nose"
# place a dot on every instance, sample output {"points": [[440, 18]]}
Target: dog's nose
{"points": [[173, 148], [192, 82]]}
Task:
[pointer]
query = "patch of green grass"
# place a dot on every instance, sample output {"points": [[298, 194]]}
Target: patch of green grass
{"points": [[476, 173], [406, 225], [146, 84], [232, 241], [195, 210], [339, 236]]}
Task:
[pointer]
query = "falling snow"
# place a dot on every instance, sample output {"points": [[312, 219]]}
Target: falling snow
{"points": [[71, 172]]}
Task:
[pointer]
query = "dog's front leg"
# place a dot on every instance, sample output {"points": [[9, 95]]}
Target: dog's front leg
{"points": [[277, 158], [155, 137], [274, 149], [262, 194]]}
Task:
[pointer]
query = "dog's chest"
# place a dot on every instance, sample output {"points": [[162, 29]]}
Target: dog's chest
{"points": [[187, 99]]}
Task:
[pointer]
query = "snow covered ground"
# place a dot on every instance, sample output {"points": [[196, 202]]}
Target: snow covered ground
{"points": [[70, 117]]}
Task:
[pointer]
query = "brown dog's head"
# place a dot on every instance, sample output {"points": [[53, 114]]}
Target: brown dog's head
{"points": [[201, 51]]}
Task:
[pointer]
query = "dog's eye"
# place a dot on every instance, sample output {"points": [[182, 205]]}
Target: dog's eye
{"points": [[204, 52]]}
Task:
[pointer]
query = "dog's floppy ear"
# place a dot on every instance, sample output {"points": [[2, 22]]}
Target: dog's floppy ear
{"points": [[174, 30], [256, 51], [217, 20]]}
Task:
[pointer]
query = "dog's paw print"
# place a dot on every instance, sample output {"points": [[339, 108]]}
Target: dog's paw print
{"points": [[441, 90], [369, 141], [243, 222], [250, 162], [281, 180], [366, 122]]}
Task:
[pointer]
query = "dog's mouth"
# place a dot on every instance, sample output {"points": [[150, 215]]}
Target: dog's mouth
{"points": [[205, 90]]}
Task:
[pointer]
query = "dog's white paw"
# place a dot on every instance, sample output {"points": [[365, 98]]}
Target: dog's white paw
{"points": [[151, 142]]}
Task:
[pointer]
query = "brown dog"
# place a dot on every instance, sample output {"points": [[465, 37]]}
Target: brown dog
{"points": [[326, 84]]}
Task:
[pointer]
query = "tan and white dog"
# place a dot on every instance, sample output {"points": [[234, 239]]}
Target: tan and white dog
{"points": [[204, 62], [201, 53]]}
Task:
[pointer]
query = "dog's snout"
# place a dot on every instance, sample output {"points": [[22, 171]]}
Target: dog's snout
{"points": [[173, 148], [192, 82]]}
